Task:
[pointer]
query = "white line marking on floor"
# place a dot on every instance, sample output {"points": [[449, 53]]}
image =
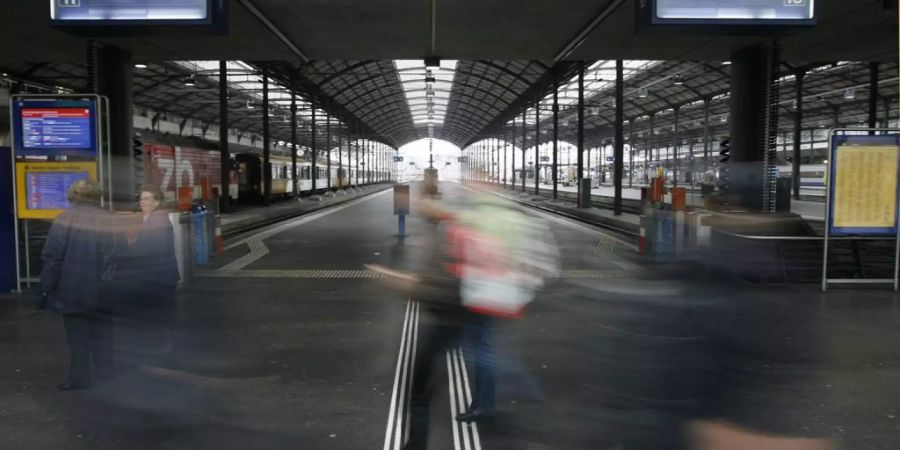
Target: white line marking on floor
{"points": [[390, 434], [257, 250], [454, 425], [468, 398]]}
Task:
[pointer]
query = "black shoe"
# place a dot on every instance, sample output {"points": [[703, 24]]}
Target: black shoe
{"points": [[70, 386], [473, 416]]}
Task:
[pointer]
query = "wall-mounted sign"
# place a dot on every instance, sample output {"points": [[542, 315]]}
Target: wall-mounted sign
{"points": [[45, 127], [112, 17], [42, 187], [398, 159]]}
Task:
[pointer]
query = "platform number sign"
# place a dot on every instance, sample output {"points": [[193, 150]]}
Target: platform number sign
{"points": [[794, 2], [69, 3]]}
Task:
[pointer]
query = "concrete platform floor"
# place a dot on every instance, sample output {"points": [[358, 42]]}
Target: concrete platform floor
{"points": [[288, 342]]}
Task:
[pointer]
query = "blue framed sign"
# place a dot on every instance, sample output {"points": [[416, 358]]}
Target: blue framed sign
{"points": [[863, 187], [139, 17], [48, 128]]}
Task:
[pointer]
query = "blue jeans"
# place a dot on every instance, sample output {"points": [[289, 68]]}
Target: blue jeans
{"points": [[480, 355]]}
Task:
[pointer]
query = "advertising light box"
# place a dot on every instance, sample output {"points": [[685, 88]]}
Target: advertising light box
{"points": [[50, 128]]}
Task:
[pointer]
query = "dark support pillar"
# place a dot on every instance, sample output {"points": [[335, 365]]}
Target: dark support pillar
{"points": [[328, 148], [675, 145], [650, 142], [707, 142], [512, 152], [618, 152], [294, 178], [537, 145], [267, 172], [506, 148], [356, 164], [749, 79], [873, 96], [555, 134], [631, 152], [887, 112], [224, 154], [524, 147], [315, 147], [798, 134], [114, 79], [340, 149], [580, 143]]}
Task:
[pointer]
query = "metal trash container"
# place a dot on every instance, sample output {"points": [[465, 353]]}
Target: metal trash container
{"points": [[182, 225], [201, 233], [584, 193]]}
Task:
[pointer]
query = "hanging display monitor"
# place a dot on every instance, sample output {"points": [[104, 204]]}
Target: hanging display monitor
{"points": [[863, 185], [49, 128], [42, 187], [129, 17], [721, 14]]}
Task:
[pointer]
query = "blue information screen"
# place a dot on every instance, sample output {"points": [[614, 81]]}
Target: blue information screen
{"points": [[129, 10], [48, 129], [48, 190], [56, 128]]}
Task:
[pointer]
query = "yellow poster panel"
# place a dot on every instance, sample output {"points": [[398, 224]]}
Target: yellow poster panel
{"points": [[865, 187], [42, 187]]}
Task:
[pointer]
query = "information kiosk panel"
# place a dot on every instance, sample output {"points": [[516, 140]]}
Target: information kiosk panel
{"points": [[863, 188], [42, 188]]}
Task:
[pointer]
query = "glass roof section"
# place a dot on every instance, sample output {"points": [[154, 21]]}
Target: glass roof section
{"points": [[427, 89]]}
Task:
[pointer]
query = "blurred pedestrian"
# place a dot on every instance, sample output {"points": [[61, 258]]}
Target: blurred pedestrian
{"points": [[75, 262], [147, 274]]}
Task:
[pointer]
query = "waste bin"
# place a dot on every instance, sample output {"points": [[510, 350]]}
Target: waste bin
{"points": [[201, 243], [182, 224], [584, 193]]}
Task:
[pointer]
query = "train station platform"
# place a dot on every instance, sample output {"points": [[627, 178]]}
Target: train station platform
{"points": [[245, 217], [288, 341]]}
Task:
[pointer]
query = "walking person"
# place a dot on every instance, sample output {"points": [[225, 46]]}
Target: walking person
{"points": [[75, 261], [147, 274]]}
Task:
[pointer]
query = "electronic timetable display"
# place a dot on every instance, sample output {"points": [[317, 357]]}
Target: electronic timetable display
{"points": [[730, 12], [194, 11], [52, 128]]}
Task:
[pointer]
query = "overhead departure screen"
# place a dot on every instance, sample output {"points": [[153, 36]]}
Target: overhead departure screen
{"points": [[743, 10], [129, 10]]}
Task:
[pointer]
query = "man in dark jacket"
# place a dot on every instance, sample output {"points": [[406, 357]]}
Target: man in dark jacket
{"points": [[74, 265]]}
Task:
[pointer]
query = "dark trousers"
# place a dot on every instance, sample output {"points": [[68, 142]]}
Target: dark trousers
{"points": [[90, 336], [437, 338]]}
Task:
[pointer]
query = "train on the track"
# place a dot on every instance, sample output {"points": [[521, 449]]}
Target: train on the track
{"points": [[176, 167]]}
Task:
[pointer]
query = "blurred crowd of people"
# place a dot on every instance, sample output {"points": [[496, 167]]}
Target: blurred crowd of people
{"points": [[103, 270]]}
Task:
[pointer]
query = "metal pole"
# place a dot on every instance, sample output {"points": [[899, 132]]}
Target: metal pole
{"points": [[328, 148], [524, 146], [873, 96], [707, 143], [224, 154], [506, 148], [619, 150], [266, 168], [675, 145], [650, 147], [555, 134], [631, 152], [315, 147], [537, 145], [295, 190], [798, 134], [580, 143]]}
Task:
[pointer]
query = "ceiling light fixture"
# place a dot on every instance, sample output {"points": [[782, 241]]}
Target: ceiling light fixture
{"points": [[678, 80], [250, 105], [140, 66], [643, 93], [190, 82], [850, 94]]}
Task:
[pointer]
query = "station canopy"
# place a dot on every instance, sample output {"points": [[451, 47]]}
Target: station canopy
{"points": [[360, 65]]}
